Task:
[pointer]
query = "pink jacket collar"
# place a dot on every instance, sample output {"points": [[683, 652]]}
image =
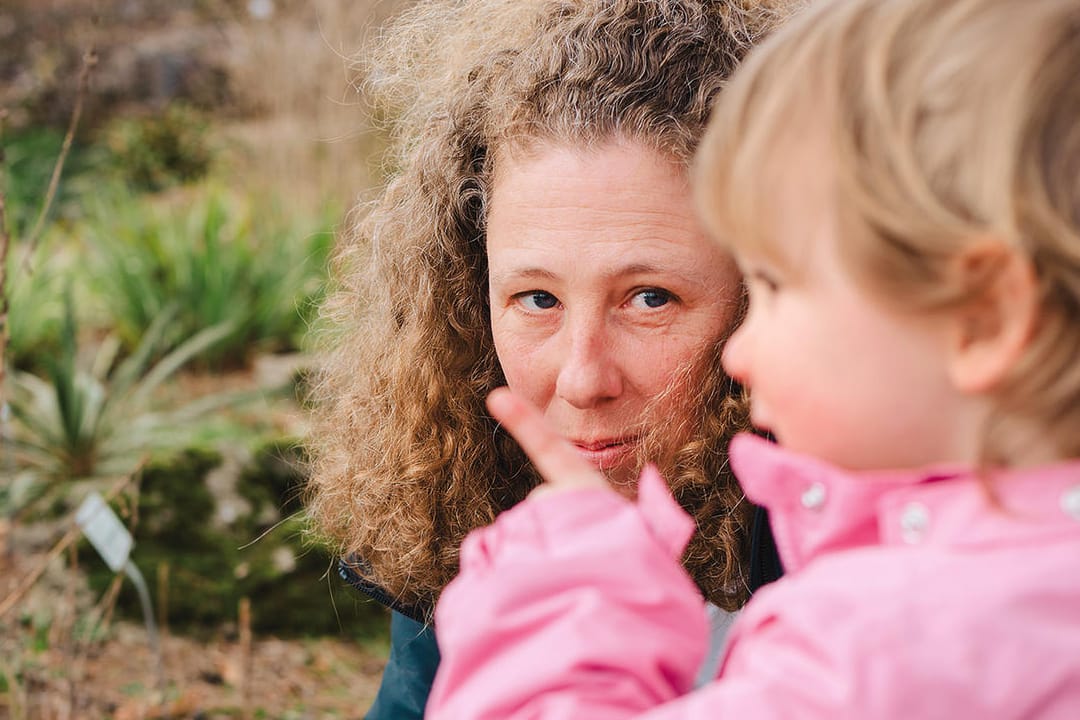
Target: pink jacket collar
{"points": [[816, 508]]}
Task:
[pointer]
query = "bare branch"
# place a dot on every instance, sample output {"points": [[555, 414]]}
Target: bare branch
{"points": [[88, 62], [72, 534], [5, 247]]}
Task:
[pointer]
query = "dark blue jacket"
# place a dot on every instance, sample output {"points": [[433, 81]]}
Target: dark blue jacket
{"points": [[414, 656], [410, 671]]}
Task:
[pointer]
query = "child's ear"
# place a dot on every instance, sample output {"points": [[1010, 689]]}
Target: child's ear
{"points": [[993, 328]]}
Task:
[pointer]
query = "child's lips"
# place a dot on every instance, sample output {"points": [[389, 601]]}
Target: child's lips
{"points": [[760, 419]]}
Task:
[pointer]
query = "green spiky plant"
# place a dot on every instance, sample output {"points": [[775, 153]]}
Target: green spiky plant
{"points": [[36, 310], [80, 422], [223, 259]]}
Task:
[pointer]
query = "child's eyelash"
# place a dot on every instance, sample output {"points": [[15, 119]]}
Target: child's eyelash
{"points": [[764, 278]]}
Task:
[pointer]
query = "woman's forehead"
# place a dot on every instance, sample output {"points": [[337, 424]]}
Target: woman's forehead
{"points": [[618, 211], [595, 189]]}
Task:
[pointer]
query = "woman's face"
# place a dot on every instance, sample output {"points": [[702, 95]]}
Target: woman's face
{"points": [[603, 286]]}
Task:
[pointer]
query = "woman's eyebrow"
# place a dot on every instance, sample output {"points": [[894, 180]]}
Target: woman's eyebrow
{"points": [[637, 268], [527, 272]]}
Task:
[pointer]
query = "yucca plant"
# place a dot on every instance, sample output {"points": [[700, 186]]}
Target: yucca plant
{"points": [[80, 421], [224, 260]]}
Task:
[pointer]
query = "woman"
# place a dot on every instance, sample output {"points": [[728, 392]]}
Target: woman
{"points": [[538, 233]]}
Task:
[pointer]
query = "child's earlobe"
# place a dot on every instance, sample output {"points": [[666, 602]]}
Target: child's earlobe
{"points": [[994, 326]]}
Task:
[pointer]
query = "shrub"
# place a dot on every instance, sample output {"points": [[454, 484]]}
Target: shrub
{"points": [[222, 258], [214, 561], [159, 151]]}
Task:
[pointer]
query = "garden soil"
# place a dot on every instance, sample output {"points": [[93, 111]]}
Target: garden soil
{"points": [[49, 674]]}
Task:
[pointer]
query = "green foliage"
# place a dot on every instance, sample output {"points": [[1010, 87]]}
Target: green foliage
{"points": [[275, 478], [29, 158], [215, 559], [175, 503], [40, 638], [35, 312], [162, 150], [81, 422], [176, 527], [223, 259]]}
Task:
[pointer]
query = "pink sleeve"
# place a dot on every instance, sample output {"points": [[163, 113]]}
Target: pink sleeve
{"points": [[571, 605], [575, 606]]}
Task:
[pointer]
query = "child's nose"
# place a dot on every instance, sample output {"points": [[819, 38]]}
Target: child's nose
{"points": [[735, 358]]}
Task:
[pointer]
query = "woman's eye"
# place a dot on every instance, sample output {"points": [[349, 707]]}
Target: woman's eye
{"points": [[653, 297], [537, 300]]}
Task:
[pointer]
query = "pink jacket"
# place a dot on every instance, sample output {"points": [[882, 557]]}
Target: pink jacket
{"points": [[906, 597]]}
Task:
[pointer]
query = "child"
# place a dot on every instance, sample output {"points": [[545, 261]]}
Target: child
{"points": [[900, 182]]}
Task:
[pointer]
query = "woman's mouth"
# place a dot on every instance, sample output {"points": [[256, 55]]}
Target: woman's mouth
{"points": [[608, 453]]}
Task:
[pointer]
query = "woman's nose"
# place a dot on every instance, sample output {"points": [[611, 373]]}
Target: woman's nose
{"points": [[589, 372]]}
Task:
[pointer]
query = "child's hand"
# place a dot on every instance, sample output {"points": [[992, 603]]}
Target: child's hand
{"points": [[556, 459]]}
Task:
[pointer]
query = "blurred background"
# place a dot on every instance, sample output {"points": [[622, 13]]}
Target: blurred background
{"points": [[161, 295]]}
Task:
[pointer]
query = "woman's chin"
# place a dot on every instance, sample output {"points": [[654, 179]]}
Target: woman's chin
{"points": [[623, 478]]}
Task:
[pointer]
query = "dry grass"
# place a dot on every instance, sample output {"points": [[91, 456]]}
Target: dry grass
{"points": [[313, 139]]}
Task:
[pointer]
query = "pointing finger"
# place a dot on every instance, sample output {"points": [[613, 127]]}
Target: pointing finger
{"points": [[555, 458]]}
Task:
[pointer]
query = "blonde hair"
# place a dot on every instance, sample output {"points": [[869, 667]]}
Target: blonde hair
{"points": [[406, 458], [947, 124]]}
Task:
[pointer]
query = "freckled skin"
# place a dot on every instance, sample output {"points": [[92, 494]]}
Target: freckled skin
{"points": [[602, 285]]}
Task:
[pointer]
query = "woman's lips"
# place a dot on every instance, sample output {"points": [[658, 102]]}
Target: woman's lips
{"points": [[605, 454]]}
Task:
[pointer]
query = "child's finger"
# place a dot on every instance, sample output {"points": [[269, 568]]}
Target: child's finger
{"points": [[553, 456]]}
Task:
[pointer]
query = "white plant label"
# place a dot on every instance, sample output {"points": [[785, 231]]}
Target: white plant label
{"points": [[104, 531]]}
